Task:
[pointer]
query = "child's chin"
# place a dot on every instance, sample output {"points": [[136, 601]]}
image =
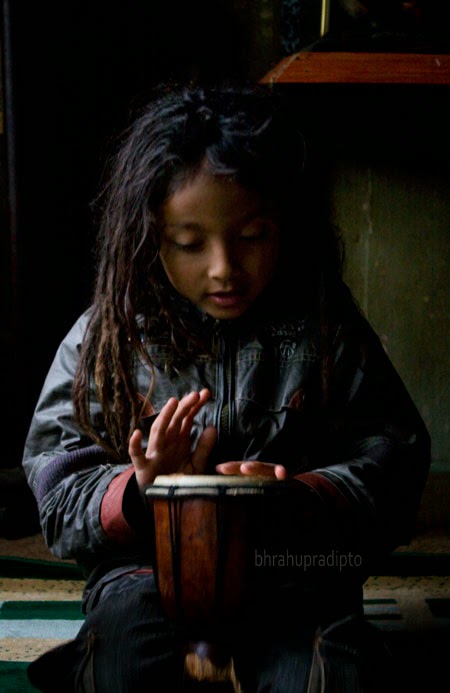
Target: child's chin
{"points": [[226, 314]]}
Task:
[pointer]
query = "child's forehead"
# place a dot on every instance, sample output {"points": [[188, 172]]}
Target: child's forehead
{"points": [[210, 195]]}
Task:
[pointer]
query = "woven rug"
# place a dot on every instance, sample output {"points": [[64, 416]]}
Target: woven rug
{"points": [[40, 607]]}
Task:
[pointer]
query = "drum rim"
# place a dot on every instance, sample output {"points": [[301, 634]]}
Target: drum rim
{"points": [[211, 484]]}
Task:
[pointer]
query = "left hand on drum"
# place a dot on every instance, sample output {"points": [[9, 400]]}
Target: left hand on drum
{"points": [[169, 445]]}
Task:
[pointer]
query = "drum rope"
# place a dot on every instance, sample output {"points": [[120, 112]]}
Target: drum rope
{"points": [[221, 547], [174, 529]]}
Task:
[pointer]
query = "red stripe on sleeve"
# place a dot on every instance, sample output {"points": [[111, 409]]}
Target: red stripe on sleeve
{"points": [[112, 518]]}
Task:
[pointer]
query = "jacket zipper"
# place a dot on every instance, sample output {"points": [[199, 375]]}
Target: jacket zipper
{"points": [[227, 383]]}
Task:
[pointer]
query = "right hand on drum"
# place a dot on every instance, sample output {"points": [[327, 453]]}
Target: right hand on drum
{"points": [[253, 468], [169, 445]]}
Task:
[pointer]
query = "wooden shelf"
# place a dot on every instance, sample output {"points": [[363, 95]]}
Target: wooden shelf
{"points": [[361, 68]]}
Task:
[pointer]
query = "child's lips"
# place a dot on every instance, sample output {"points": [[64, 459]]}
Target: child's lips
{"points": [[226, 299]]}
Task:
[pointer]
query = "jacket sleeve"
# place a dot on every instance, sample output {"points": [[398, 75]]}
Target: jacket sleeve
{"points": [[374, 453], [81, 494]]}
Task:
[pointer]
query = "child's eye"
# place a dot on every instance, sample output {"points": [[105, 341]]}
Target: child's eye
{"points": [[188, 247], [255, 236], [257, 232]]}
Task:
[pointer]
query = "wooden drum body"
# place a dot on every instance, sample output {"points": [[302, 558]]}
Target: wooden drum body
{"points": [[206, 532]]}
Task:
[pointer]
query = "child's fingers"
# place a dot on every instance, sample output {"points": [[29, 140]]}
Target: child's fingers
{"points": [[189, 406], [267, 469], [135, 450], [177, 415], [281, 472], [184, 408], [135, 444], [229, 468], [252, 468], [203, 396], [164, 417]]}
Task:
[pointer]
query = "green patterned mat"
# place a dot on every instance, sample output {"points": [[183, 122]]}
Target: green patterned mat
{"points": [[13, 678], [40, 607]]}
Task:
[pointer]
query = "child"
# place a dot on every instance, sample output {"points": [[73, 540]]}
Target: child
{"points": [[221, 340]]}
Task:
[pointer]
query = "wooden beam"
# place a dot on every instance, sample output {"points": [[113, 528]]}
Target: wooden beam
{"points": [[361, 68]]}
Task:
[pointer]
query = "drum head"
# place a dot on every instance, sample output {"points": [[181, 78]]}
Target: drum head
{"points": [[178, 485]]}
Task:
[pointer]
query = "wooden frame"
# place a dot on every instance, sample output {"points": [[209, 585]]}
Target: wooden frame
{"points": [[361, 68]]}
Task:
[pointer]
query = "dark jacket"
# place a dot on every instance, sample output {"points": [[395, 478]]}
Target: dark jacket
{"points": [[356, 446]]}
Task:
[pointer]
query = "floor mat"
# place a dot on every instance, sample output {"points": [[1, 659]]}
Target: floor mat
{"points": [[40, 607]]}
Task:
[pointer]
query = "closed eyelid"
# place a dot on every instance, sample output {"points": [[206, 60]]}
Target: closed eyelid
{"points": [[192, 233], [259, 226], [183, 233]]}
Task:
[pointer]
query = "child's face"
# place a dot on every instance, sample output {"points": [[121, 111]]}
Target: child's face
{"points": [[219, 244]]}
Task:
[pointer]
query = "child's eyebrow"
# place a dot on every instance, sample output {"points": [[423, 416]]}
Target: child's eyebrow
{"points": [[249, 217], [184, 226]]}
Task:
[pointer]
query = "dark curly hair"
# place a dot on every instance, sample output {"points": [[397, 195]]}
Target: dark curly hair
{"points": [[244, 132]]}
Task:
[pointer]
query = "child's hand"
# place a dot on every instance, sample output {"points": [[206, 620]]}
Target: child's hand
{"points": [[169, 444], [253, 468]]}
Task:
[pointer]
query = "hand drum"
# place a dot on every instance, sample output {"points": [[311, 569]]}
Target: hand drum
{"points": [[206, 531]]}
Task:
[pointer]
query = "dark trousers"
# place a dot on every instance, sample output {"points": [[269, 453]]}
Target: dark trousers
{"points": [[126, 645]]}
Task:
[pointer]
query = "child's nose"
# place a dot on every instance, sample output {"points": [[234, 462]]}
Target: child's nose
{"points": [[223, 262]]}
